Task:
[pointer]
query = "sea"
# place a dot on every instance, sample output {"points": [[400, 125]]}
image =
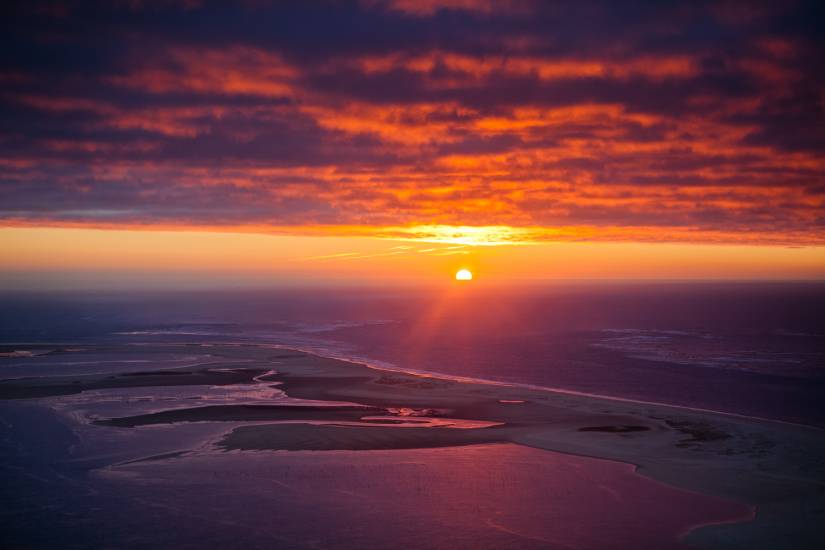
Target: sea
{"points": [[746, 348]]}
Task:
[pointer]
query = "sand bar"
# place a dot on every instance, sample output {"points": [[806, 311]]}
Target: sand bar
{"points": [[777, 468]]}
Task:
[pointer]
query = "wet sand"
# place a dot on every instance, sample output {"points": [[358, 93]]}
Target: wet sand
{"points": [[776, 468]]}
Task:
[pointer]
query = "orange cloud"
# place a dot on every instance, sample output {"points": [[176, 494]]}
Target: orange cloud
{"points": [[575, 134]]}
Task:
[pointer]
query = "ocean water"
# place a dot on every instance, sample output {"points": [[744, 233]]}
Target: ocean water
{"points": [[754, 349]]}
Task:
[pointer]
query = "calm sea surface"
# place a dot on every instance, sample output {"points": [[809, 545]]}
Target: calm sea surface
{"points": [[753, 349]]}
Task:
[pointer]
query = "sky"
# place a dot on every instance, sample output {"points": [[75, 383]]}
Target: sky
{"points": [[375, 139]]}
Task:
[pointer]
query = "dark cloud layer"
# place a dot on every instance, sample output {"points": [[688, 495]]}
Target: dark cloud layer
{"points": [[697, 121]]}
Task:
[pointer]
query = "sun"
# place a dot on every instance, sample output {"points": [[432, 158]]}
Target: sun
{"points": [[463, 275]]}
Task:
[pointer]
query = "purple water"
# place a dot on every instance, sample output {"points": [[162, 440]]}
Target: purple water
{"points": [[745, 348]]}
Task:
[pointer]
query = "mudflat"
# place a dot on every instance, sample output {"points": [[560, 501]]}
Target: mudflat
{"points": [[776, 469]]}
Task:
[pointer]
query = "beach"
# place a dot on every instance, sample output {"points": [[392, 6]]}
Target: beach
{"points": [[569, 467]]}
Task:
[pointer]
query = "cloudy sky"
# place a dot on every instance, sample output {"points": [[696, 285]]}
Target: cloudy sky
{"points": [[636, 122]]}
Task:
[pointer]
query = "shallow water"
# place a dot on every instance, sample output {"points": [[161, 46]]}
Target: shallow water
{"points": [[90, 494]]}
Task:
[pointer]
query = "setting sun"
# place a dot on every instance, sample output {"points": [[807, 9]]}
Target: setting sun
{"points": [[464, 275]]}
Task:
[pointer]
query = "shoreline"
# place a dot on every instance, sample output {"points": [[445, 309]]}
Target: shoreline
{"points": [[775, 468], [373, 364], [389, 367], [698, 532]]}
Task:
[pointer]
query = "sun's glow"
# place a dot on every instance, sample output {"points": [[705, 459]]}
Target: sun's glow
{"points": [[463, 275], [490, 235]]}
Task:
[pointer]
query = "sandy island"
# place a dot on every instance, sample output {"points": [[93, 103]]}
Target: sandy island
{"points": [[777, 468]]}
